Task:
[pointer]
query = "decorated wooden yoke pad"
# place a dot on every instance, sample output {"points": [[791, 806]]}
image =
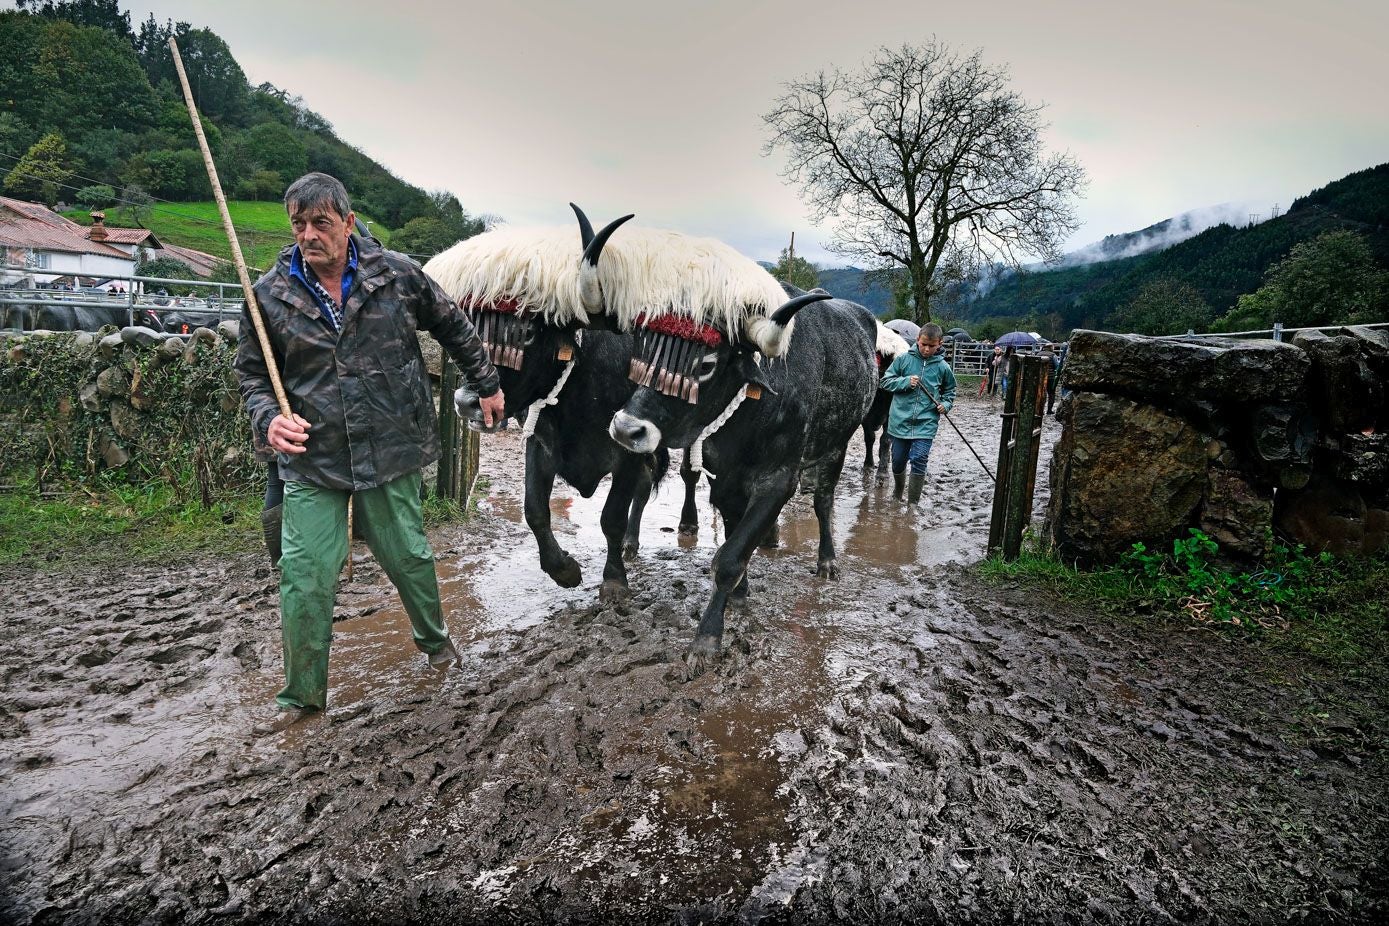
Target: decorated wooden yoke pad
{"points": [[505, 327], [669, 352]]}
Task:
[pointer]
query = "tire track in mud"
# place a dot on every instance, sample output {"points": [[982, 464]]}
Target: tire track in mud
{"points": [[904, 744]]}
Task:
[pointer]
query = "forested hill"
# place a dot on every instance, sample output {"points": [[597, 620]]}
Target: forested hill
{"points": [[1220, 264], [91, 114]]}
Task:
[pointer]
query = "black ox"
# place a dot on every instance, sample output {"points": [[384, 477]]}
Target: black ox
{"points": [[812, 401], [571, 438]]}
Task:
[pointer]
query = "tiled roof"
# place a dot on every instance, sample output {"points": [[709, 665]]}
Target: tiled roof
{"points": [[130, 236], [29, 225], [199, 262]]}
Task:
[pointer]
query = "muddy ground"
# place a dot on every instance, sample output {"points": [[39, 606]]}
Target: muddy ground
{"points": [[905, 744]]}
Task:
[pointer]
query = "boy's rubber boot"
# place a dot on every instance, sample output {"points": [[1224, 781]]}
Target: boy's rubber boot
{"points": [[898, 481], [914, 485], [270, 529]]}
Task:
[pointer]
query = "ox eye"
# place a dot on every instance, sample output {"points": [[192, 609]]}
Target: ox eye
{"points": [[707, 365]]}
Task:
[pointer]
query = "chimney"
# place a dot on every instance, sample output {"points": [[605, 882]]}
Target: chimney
{"points": [[98, 232]]}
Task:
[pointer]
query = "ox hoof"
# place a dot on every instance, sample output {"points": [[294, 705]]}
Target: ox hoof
{"points": [[629, 550], [613, 591], [689, 530], [827, 570], [702, 656], [568, 574]]}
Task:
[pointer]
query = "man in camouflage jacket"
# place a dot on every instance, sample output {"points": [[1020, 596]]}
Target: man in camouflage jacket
{"points": [[342, 315]]}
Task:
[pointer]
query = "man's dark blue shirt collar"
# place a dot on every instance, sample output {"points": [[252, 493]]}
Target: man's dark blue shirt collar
{"points": [[304, 274]]}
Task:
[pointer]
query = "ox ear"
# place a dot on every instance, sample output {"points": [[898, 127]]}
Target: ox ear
{"points": [[772, 336], [590, 290], [750, 371]]}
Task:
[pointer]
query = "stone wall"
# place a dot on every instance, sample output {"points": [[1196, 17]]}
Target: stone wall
{"points": [[133, 404], [1242, 439]]}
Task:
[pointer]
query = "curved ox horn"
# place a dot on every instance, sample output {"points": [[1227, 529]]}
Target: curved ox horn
{"points": [[590, 291], [772, 335], [783, 315]]}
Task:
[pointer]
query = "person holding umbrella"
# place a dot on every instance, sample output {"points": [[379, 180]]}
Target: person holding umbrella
{"points": [[923, 387]]}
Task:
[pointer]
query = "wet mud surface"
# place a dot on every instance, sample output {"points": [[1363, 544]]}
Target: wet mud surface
{"points": [[904, 744]]}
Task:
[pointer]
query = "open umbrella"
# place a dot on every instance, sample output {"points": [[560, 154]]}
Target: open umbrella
{"points": [[1016, 339]]}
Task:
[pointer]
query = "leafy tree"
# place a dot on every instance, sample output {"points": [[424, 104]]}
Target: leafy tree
{"points": [[929, 161], [1165, 305], [424, 236], [797, 271], [97, 196], [176, 175], [218, 83], [139, 201], [15, 135], [277, 147], [79, 79], [42, 172], [104, 14], [261, 185], [451, 212], [170, 268], [1329, 280], [992, 329]]}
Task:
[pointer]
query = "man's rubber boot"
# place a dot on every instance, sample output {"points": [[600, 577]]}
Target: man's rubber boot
{"points": [[914, 485], [898, 481], [270, 527]]}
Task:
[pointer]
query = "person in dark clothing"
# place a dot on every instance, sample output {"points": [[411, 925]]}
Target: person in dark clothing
{"points": [[342, 315], [1053, 374]]}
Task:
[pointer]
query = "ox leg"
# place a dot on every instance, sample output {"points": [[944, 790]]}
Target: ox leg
{"points": [[689, 514], [540, 483], [868, 446], [884, 453], [626, 478], [731, 561], [641, 494], [732, 505], [824, 511]]}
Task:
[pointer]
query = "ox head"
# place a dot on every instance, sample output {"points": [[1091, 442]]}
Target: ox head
{"points": [[687, 373], [523, 291]]}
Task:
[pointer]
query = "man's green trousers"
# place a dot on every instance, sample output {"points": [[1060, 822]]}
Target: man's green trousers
{"points": [[315, 549]]}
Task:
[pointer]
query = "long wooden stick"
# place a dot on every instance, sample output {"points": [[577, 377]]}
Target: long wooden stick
{"points": [[252, 306]]}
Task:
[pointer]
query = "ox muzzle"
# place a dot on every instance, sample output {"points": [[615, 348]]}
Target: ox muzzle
{"points": [[635, 434], [467, 404]]}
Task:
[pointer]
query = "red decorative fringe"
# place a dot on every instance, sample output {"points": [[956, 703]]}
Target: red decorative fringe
{"points": [[505, 306], [681, 327]]}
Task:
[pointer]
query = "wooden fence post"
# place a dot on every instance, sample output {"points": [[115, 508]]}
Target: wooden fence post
{"points": [[1018, 448], [459, 445]]}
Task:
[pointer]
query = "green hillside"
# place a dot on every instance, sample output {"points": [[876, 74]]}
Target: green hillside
{"points": [[91, 116], [1219, 264], [262, 228]]}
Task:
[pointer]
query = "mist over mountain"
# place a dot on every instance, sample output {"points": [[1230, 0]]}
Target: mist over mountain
{"points": [[1160, 235], [1217, 250]]}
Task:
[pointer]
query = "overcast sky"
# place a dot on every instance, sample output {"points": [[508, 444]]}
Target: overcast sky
{"points": [[655, 107]]}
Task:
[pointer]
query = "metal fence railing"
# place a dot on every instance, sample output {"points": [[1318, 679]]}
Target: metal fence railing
{"points": [[145, 300]]}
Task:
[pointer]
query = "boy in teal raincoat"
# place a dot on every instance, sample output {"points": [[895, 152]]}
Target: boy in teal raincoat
{"points": [[923, 387]]}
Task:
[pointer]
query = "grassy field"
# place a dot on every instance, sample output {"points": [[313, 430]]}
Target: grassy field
{"points": [[262, 228]]}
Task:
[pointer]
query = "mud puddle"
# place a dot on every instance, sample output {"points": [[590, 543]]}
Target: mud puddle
{"points": [[903, 744]]}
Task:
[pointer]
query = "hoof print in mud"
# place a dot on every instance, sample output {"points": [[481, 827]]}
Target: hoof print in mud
{"points": [[613, 591]]}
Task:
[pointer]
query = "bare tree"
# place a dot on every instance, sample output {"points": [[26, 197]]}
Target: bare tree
{"points": [[932, 165]]}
